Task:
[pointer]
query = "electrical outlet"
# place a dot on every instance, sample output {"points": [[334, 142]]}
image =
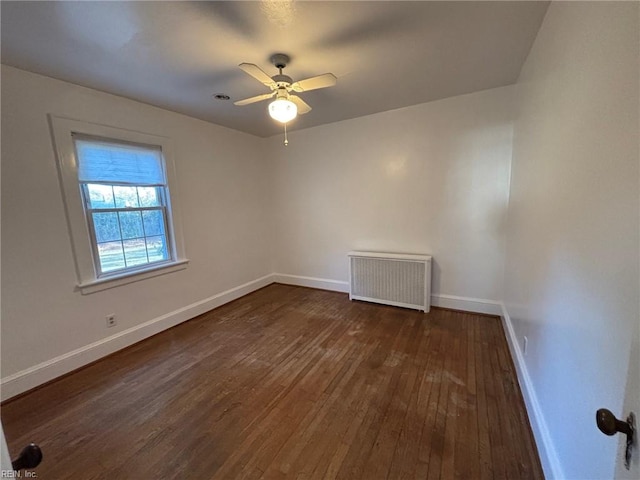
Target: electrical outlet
{"points": [[526, 345], [111, 320]]}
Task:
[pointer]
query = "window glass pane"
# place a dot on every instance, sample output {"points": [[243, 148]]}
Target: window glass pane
{"points": [[106, 227], [149, 196], [111, 256], [100, 196], [157, 248], [131, 224], [135, 252], [153, 222], [126, 197]]}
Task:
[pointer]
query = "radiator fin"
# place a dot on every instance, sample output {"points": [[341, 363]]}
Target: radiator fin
{"points": [[394, 281]]}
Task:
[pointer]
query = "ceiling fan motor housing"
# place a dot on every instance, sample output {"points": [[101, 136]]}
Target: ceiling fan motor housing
{"points": [[282, 80], [280, 60]]}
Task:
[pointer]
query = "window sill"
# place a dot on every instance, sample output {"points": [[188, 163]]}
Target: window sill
{"points": [[100, 284]]}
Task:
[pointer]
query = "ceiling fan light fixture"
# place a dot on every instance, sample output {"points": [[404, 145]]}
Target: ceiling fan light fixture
{"points": [[283, 110]]}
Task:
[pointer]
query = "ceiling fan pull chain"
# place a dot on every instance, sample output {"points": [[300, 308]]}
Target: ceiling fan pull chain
{"points": [[286, 142]]}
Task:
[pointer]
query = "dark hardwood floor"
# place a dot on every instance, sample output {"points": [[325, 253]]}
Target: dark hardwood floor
{"points": [[290, 382]]}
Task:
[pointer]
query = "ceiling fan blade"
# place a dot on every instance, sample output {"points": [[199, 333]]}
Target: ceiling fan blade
{"points": [[303, 107], [257, 73], [313, 83], [257, 98]]}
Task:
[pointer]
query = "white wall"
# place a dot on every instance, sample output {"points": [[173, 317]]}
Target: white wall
{"points": [[571, 280], [431, 178], [222, 185]]}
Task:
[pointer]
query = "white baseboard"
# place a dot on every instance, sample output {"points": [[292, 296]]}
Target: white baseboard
{"points": [[20, 382], [475, 305], [312, 282], [548, 457]]}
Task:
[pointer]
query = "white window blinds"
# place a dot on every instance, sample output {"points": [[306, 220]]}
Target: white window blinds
{"points": [[101, 161]]}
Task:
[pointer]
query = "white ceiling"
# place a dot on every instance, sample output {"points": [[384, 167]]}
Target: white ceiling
{"points": [[176, 55]]}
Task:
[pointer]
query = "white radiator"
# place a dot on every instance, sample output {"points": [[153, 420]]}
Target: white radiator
{"points": [[391, 278]]}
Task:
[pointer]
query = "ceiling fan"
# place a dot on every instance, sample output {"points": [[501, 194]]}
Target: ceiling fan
{"points": [[286, 106]]}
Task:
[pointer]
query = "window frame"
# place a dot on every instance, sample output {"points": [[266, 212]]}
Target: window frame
{"points": [[89, 211], [89, 277]]}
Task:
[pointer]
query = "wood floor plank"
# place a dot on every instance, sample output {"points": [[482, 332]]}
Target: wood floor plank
{"points": [[381, 455], [485, 470], [429, 400], [449, 404], [287, 383], [382, 370], [438, 405], [407, 449]]}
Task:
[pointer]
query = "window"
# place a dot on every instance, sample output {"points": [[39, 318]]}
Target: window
{"points": [[124, 190], [116, 186]]}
